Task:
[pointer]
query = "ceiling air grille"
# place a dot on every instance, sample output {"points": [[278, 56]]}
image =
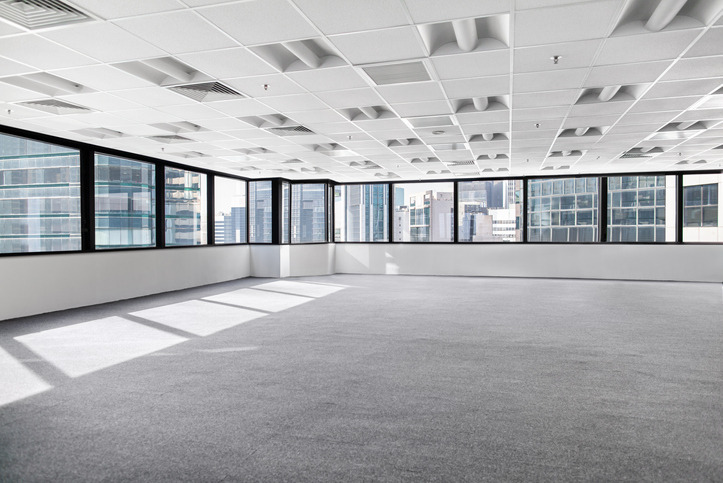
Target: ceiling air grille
{"points": [[290, 130], [54, 106], [634, 155], [170, 139], [37, 14], [207, 92], [397, 73]]}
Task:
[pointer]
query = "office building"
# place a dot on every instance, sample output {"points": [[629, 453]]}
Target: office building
{"points": [[352, 240]]}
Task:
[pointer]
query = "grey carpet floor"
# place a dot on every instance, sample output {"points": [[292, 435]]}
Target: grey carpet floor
{"points": [[393, 379]]}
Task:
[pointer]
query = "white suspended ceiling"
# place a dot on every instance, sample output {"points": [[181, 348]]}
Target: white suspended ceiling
{"points": [[365, 90]]}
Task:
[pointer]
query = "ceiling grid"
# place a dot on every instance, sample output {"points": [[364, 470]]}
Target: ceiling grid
{"points": [[379, 89]]}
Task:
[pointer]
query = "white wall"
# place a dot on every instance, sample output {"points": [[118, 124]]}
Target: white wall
{"points": [[700, 263], [317, 259], [43, 283]]}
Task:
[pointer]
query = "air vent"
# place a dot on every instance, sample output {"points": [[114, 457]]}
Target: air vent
{"points": [[633, 155], [38, 14], [47, 84], [397, 73], [429, 121], [292, 161], [55, 106], [461, 163], [190, 154], [207, 92], [170, 139], [290, 131], [100, 133]]}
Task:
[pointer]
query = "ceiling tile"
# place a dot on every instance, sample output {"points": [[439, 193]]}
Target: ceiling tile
{"points": [[424, 11], [420, 91], [41, 53], [645, 47], [154, 97], [10, 67], [337, 78], [263, 22], [380, 45], [683, 88], [110, 43], [474, 64], [665, 104], [241, 107], [102, 101], [709, 44], [192, 112], [318, 116], [102, 78], [549, 81], [177, 32], [296, 102], [366, 15], [265, 85], [600, 108], [227, 63], [544, 99], [696, 68], [351, 98], [539, 58], [110, 10], [589, 20], [431, 108], [486, 86], [625, 74]]}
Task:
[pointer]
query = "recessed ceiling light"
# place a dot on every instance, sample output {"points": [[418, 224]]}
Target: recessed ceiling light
{"points": [[437, 133]]}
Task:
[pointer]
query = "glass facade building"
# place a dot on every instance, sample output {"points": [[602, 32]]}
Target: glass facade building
{"points": [[39, 196], [260, 212], [308, 213], [125, 203], [186, 209], [490, 211], [562, 210], [641, 209], [361, 213], [702, 197], [229, 210], [424, 212]]}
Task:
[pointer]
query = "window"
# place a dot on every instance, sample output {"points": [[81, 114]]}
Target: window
{"points": [[490, 211], [125, 203], [562, 210], [701, 198], [39, 196], [260, 211], [285, 208], [308, 213], [424, 212], [186, 209], [361, 212], [229, 210], [641, 209]]}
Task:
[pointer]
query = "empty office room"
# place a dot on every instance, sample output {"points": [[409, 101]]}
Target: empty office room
{"points": [[361, 240]]}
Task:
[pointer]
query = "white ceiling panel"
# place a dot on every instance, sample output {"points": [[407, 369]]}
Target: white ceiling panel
{"points": [[567, 23], [571, 55], [103, 101], [102, 78], [474, 64], [10, 67], [227, 63], [646, 47], [417, 92], [669, 104], [265, 86], [600, 108], [709, 44], [551, 80], [696, 68], [264, 22], [544, 99], [333, 79], [486, 86], [110, 10], [425, 11], [351, 98], [111, 43], [41, 53], [154, 97], [296, 102], [195, 111], [177, 32], [366, 15], [241, 107], [625, 74], [431, 108], [683, 88], [380, 45]]}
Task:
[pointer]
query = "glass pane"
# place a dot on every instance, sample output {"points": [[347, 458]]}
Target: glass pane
{"points": [[490, 211], [39, 196], [260, 221], [186, 209], [642, 207], [702, 197], [308, 213], [230, 210], [566, 210], [361, 213], [424, 212], [285, 207], [125, 203]]}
